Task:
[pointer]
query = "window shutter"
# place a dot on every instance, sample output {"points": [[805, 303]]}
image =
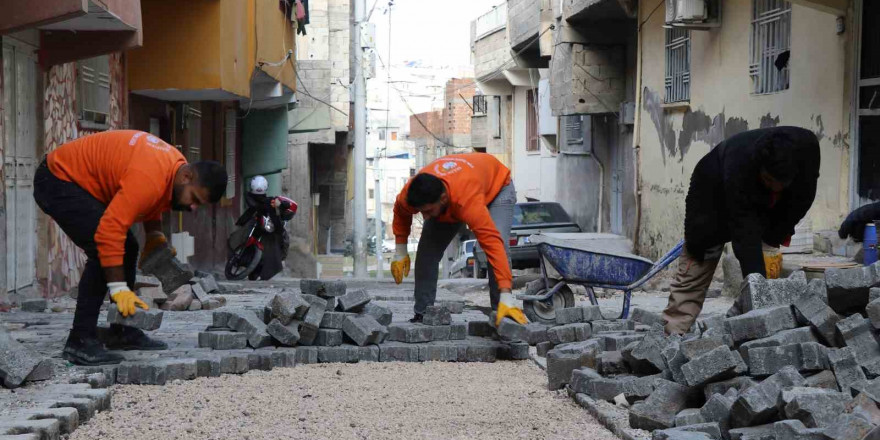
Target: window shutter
{"points": [[574, 132]]}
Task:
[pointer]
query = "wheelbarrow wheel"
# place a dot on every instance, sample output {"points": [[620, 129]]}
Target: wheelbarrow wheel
{"points": [[544, 312]]}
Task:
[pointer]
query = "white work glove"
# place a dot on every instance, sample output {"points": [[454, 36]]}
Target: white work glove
{"points": [[400, 264]]}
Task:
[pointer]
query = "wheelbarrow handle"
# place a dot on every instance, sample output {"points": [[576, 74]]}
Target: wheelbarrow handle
{"points": [[661, 264]]}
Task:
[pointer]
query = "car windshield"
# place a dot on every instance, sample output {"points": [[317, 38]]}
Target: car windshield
{"points": [[469, 247], [536, 213]]}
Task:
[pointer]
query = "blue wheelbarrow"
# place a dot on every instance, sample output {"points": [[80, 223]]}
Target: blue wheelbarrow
{"points": [[590, 260]]}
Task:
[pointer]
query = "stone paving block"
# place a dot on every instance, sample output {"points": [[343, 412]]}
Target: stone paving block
{"points": [[322, 288], [220, 318], [334, 320], [543, 347], [285, 334], [153, 296], [179, 300], [208, 367], [757, 404], [759, 323], [511, 330], [353, 300], [235, 363], [284, 357], [260, 359], [865, 407], [762, 432], [68, 418], [477, 350], [564, 359], [717, 364], [857, 333], [438, 352], [513, 351], [616, 325], [675, 359], [848, 427], [737, 385], [180, 369], [611, 363], [846, 368], [49, 429], [873, 294], [645, 317], [209, 283], [170, 272], [646, 356], [146, 281], [805, 357], [410, 332], [437, 315], [398, 352], [701, 431], [616, 341], [142, 319], [328, 337], [717, 410], [315, 314], [815, 407], [693, 348], [823, 379], [481, 329], [690, 416], [333, 354], [759, 293], [564, 334], [307, 335], [848, 289], [306, 355], [364, 330], [264, 314], [287, 306], [141, 373], [812, 311], [569, 315], [455, 307], [458, 331], [34, 305], [369, 353], [244, 321], [785, 337], [581, 381], [659, 410], [16, 361], [222, 340], [381, 314], [198, 292], [795, 430]]}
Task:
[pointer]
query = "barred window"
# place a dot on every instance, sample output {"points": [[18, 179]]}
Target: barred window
{"points": [[678, 65], [770, 46]]}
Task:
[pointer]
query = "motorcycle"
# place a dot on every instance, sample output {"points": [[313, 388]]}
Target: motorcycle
{"points": [[258, 247]]}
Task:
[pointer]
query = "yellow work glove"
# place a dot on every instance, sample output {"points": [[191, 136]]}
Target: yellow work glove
{"points": [[400, 264], [772, 261], [154, 240], [507, 309], [125, 299]]}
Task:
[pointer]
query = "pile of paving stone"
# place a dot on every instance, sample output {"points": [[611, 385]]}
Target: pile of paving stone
{"points": [[171, 285], [801, 362], [346, 326]]}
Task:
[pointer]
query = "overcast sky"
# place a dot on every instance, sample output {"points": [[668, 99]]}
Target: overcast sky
{"points": [[436, 32]]}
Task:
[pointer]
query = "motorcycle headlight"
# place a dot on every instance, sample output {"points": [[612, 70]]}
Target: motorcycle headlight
{"points": [[267, 224]]}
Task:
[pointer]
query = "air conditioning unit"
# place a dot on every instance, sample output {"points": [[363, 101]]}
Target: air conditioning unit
{"points": [[693, 14], [690, 10]]}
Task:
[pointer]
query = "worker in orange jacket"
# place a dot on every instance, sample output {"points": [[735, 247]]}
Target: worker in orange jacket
{"points": [[474, 189], [96, 188]]}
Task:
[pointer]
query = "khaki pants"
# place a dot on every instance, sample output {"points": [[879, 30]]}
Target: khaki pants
{"points": [[688, 291]]}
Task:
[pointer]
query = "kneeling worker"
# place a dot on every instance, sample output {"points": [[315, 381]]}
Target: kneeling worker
{"points": [[751, 190], [474, 189], [96, 188]]}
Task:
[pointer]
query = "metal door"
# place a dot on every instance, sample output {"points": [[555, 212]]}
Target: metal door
{"points": [[867, 103], [21, 129]]}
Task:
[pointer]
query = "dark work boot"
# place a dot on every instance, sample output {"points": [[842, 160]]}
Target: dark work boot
{"points": [[417, 318], [88, 351], [120, 337]]}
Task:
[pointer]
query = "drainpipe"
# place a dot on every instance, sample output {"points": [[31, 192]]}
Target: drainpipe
{"points": [[329, 230], [601, 185], [637, 133]]}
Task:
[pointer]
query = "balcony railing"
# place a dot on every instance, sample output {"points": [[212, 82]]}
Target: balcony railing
{"points": [[480, 105]]}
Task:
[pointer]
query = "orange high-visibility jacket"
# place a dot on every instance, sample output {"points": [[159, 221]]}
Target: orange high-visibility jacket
{"points": [[130, 171], [472, 182]]}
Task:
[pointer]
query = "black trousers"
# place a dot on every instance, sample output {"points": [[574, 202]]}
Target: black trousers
{"points": [[78, 213]]}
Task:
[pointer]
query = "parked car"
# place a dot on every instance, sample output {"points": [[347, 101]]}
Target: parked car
{"points": [[463, 266], [529, 218]]}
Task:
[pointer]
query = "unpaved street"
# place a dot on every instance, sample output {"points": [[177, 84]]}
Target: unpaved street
{"points": [[351, 401]]}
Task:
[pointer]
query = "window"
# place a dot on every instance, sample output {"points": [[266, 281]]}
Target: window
{"points": [[574, 131], [93, 91], [539, 213], [381, 134], [372, 194], [770, 46], [532, 144], [495, 117], [479, 105], [678, 65]]}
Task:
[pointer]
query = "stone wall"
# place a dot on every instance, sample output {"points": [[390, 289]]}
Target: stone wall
{"points": [[587, 79], [523, 20], [490, 53]]}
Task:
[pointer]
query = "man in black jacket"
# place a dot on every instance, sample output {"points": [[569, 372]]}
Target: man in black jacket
{"points": [[751, 190]]}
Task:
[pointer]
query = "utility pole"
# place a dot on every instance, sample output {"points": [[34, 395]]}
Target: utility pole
{"points": [[377, 174], [360, 147]]}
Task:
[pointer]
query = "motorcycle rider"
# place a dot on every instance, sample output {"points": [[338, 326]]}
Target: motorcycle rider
{"points": [[260, 204]]}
